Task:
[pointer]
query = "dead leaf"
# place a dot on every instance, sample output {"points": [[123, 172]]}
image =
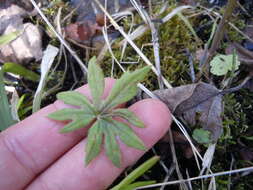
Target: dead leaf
{"points": [[80, 32], [195, 103], [90, 20]]}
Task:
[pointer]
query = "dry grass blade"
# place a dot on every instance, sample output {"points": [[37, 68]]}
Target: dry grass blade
{"points": [[155, 40], [216, 14], [144, 57], [49, 55], [142, 87], [248, 169]]}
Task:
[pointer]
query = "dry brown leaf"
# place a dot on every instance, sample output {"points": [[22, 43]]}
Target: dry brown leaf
{"points": [[199, 102], [90, 20]]}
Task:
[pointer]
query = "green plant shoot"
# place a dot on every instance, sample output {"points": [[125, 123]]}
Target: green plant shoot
{"points": [[202, 136], [99, 113], [128, 183]]}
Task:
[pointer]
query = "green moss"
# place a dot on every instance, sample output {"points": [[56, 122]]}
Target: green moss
{"points": [[174, 39], [237, 123], [233, 35]]}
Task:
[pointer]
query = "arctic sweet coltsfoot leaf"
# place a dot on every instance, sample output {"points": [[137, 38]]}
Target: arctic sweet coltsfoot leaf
{"points": [[99, 114], [221, 64]]}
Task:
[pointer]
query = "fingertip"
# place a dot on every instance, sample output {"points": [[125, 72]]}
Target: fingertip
{"points": [[156, 117]]}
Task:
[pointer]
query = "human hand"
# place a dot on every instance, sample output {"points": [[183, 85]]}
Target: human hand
{"points": [[35, 156]]}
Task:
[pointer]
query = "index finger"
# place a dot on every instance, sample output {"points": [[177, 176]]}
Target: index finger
{"points": [[30, 146]]}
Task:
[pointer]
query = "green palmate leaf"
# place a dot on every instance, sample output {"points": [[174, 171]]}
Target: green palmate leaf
{"points": [[77, 123], [95, 81], [125, 88], [76, 99], [80, 118], [95, 137], [127, 135], [69, 114], [100, 113], [129, 116], [111, 145]]}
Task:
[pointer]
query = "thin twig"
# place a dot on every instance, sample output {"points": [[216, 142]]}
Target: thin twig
{"points": [[144, 57], [174, 157], [218, 34], [155, 40], [221, 27]]}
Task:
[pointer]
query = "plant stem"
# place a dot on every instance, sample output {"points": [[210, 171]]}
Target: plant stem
{"points": [[231, 5], [221, 27]]}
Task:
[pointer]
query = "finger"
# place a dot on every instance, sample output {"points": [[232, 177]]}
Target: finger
{"points": [[32, 145], [69, 171]]}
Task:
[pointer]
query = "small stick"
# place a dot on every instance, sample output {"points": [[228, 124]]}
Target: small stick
{"points": [[221, 27], [218, 34]]}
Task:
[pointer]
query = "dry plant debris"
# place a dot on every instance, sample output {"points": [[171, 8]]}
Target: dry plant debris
{"points": [[199, 104], [196, 103]]}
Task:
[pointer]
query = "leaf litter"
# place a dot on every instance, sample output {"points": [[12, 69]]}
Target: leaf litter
{"points": [[200, 102], [197, 104]]}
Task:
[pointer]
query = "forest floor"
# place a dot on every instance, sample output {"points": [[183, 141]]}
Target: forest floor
{"points": [[201, 54]]}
